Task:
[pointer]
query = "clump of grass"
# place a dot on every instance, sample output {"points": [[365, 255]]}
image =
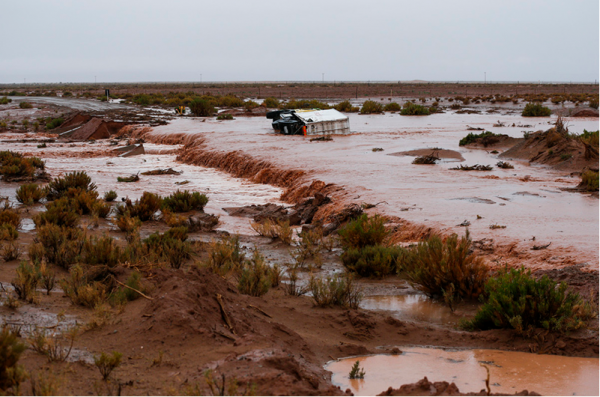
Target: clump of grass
{"points": [[30, 194], [279, 230], [143, 209], [110, 196], [412, 109], [514, 299], [59, 245], [363, 231], [184, 201], [505, 165], [356, 372], [255, 276], [225, 116], [335, 291], [446, 269], [373, 261], [589, 181], [225, 256], [106, 363], [11, 373], [536, 110], [370, 107]]}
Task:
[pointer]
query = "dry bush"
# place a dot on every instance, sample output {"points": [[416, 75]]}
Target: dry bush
{"points": [[55, 346], [30, 194], [106, 363], [255, 276], [26, 282], [61, 245], [280, 230], [9, 215], [74, 181], [225, 256], [446, 269], [8, 232], [373, 261], [11, 373], [143, 209], [10, 251], [81, 291], [336, 291], [100, 251]]}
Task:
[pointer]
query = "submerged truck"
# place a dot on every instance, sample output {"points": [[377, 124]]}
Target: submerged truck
{"points": [[309, 122]]}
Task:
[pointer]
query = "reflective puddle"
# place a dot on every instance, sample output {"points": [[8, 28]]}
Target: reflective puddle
{"points": [[509, 371]]}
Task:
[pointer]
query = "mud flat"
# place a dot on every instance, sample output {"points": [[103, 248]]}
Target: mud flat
{"points": [[425, 195]]}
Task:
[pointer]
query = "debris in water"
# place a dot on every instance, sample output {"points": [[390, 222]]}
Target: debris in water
{"points": [[476, 167], [164, 171]]}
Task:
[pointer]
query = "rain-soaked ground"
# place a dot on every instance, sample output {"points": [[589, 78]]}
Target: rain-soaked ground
{"points": [[510, 372], [526, 199]]}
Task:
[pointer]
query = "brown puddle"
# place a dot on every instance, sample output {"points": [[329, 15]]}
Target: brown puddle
{"points": [[412, 308], [509, 371]]}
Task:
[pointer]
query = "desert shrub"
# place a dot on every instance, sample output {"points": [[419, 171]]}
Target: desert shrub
{"points": [[11, 373], [201, 107], [249, 105], [184, 201], [225, 116], [141, 99], [128, 224], [25, 105], [26, 282], [30, 194], [170, 246], [225, 255], [536, 110], [47, 276], [271, 102], [82, 291], [335, 291], [109, 196], [255, 276], [69, 183], [590, 141], [412, 109], [392, 107], [594, 103], [56, 347], [346, 106], [123, 295], [61, 246], [53, 123], [106, 363], [10, 252], [129, 179], [280, 230], [373, 261], [471, 137], [100, 251], [514, 299], [228, 101], [9, 215], [305, 104], [369, 107], [504, 165], [446, 269], [59, 212], [589, 180], [14, 166], [363, 231], [143, 209], [5, 101], [8, 232]]}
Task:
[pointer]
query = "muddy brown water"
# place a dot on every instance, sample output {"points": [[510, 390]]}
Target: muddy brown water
{"points": [[509, 371]]}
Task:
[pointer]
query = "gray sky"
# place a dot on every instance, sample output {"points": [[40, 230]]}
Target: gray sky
{"points": [[150, 40]]}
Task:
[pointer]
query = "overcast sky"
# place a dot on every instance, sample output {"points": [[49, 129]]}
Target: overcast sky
{"points": [[219, 40]]}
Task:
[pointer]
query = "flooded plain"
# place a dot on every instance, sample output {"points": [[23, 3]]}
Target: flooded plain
{"points": [[528, 199], [510, 372]]}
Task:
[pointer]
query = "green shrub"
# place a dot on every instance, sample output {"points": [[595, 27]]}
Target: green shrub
{"points": [[141, 99], [589, 180], [225, 116], [170, 246], [514, 299], [100, 251], [5, 101], [53, 123], [201, 108], [271, 102], [225, 256], [107, 363], [60, 186], [109, 196], [392, 107], [30, 194], [473, 137], [363, 231], [184, 201], [11, 373], [447, 269], [356, 372], [369, 107], [26, 282], [593, 103], [373, 261], [59, 212], [14, 166], [335, 291], [536, 110], [412, 109], [249, 105], [25, 105], [8, 232], [346, 106], [143, 209], [61, 245], [124, 295], [255, 276]]}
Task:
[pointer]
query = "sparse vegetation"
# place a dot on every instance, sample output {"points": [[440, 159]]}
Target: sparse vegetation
{"points": [[30, 194], [53, 123], [476, 167], [363, 231], [5, 101], [271, 103], [276, 230], [225, 256], [26, 282], [255, 276], [589, 181], [356, 372], [16, 167], [392, 107], [412, 109], [82, 291], [471, 138], [56, 347], [373, 261], [429, 159], [184, 201], [370, 107], [106, 363], [59, 245], [514, 299], [128, 179], [11, 373], [335, 291], [143, 209], [346, 107], [25, 105], [201, 107], [110, 196]]}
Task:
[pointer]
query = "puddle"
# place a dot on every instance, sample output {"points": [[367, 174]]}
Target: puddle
{"points": [[509, 371], [415, 307], [27, 225]]}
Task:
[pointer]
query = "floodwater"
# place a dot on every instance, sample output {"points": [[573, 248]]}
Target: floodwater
{"points": [[413, 307], [435, 195], [510, 372]]}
